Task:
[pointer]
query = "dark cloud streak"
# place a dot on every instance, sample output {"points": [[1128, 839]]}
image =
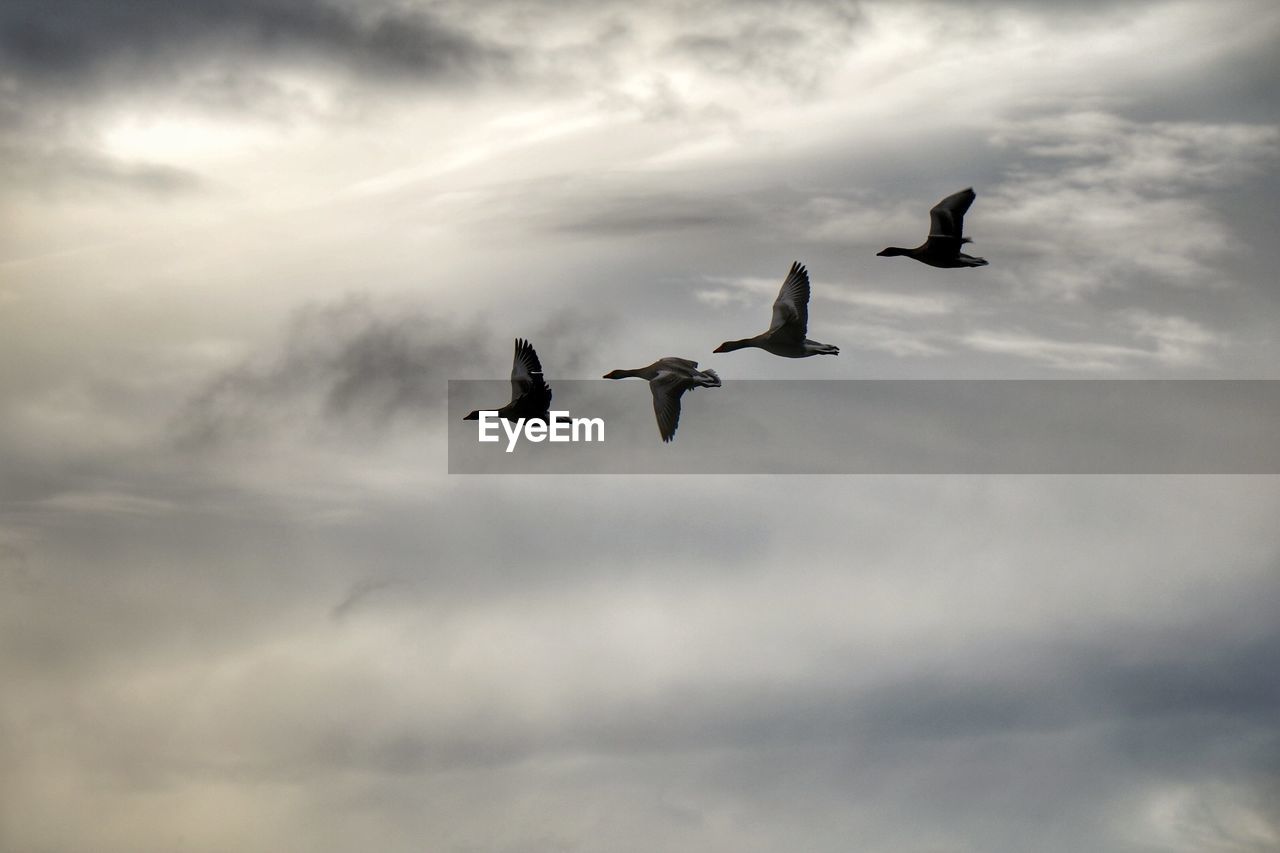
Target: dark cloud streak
{"points": [[215, 55], [345, 365], [361, 366], [88, 42]]}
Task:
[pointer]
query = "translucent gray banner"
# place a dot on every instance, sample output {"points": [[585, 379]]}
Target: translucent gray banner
{"points": [[887, 427]]}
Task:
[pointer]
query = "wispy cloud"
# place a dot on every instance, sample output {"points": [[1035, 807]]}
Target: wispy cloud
{"points": [[1213, 817], [1171, 342], [253, 610], [348, 364], [1095, 201], [107, 503]]}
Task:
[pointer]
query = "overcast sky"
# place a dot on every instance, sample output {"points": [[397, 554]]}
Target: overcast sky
{"points": [[245, 243]]}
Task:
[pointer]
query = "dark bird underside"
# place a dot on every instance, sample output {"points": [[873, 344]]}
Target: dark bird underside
{"points": [[530, 394], [788, 330], [946, 235]]}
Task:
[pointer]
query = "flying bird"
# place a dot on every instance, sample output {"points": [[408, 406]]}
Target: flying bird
{"points": [[946, 235], [786, 334], [668, 379], [530, 394]]}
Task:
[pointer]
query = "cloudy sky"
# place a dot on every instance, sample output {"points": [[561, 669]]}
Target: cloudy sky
{"points": [[245, 243]]}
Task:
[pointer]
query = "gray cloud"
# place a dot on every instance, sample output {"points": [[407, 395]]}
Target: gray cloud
{"points": [[622, 216], [247, 609], [15, 568], [59, 170], [1120, 199], [140, 40], [794, 49], [221, 56], [363, 366], [351, 364], [689, 668], [361, 591]]}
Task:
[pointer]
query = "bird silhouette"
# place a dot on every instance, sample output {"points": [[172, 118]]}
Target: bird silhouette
{"points": [[668, 379], [946, 235], [786, 334], [530, 394]]}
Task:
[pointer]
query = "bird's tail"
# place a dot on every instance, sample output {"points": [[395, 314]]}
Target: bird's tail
{"points": [[710, 379]]}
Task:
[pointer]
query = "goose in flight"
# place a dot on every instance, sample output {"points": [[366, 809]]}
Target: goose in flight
{"points": [[786, 334], [668, 379], [946, 230], [530, 394]]}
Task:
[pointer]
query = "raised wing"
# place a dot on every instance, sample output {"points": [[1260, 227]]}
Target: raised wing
{"points": [[791, 308], [526, 375], [667, 389], [677, 363], [946, 218]]}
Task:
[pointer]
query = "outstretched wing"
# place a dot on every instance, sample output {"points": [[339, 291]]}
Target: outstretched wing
{"points": [[667, 389], [526, 376], [791, 308], [672, 361], [946, 218]]}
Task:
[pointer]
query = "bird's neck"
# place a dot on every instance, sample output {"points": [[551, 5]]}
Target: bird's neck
{"points": [[730, 346]]}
